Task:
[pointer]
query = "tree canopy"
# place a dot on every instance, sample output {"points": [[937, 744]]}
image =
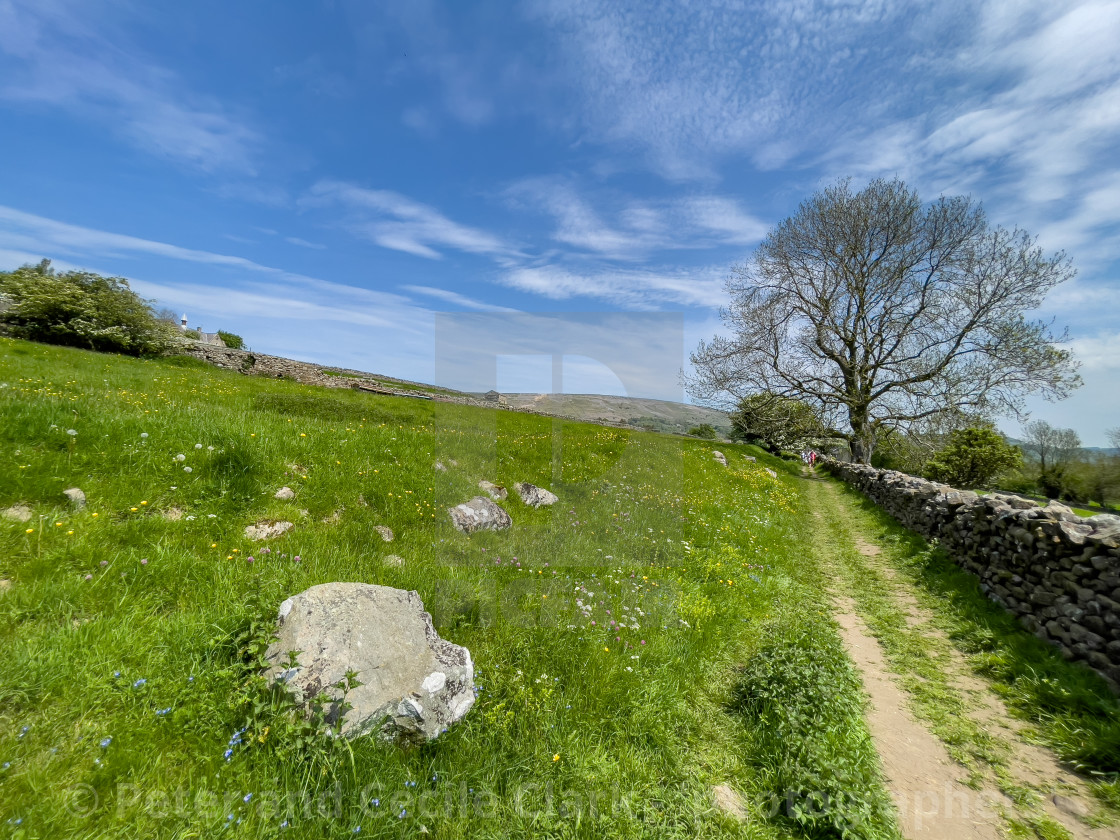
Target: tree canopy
{"points": [[881, 312], [777, 423], [80, 309]]}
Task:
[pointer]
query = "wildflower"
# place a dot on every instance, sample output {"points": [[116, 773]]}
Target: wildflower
{"points": [[376, 803], [32, 530], [248, 559], [143, 503], [296, 558], [24, 731], [187, 469], [180, 457], [105, 742], [247, 796], [144, 562], [139, 683], [143, 434], [89, 577], [198, 446], [606, 649], [72, 432]]}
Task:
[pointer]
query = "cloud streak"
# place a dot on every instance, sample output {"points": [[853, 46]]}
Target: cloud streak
{"points": [[52, 53]]}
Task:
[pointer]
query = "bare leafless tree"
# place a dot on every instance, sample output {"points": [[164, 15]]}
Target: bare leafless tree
{"points": [[882, 312]]}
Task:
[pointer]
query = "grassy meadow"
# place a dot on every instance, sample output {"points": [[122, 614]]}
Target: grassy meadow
{"points": [[654, 634], [662, 630]]}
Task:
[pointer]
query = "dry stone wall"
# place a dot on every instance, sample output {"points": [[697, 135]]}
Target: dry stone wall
{"points": [[1057, 571]]}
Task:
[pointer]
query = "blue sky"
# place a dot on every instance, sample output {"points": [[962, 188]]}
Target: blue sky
{"points": [[322, 177]]}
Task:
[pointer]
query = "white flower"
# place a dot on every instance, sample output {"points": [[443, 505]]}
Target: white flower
{"points": [[198, 446], [187, 469], [71, 432], [211, 448], [180, 457], [143, 434]]}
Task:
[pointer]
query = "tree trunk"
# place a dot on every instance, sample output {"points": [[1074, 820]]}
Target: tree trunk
{"points": [[862, 441]]}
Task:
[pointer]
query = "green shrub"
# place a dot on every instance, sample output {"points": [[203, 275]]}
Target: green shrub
{"points": [[704, 430], [973, 457], [80, 309], [231, 340]]}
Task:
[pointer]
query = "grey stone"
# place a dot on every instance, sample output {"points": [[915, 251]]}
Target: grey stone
{"points": [[76, 496], [285, 493], [266, 529], [728, 802], [414, 684], [494, 491], [1067, 805], [385, 531], [17, 513], [719, 457], [535, 496], [479, 514]]}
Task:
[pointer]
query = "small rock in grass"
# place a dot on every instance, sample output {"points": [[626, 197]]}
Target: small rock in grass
{"points": [[719, 457], [751, 458], [265, 529], [494, 491], [394, 560], [440, 466], [5, 584], [385, 531], [414, 684], [76, 496], [173, 514], [1068, 805], [535, 496], [18, 513], [729, 802], [479, 514], [285, 493], [771, 473]]}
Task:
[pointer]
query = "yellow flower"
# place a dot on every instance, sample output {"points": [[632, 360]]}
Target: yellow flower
{"points": [[143, 503], [213, 545], [95, 514], [303, 434], [607, 649], [134, 509], [30, 531], [69, 532], [556, 757]]}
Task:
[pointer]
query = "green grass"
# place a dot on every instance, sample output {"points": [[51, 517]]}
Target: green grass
{"points": [[130, 628]]}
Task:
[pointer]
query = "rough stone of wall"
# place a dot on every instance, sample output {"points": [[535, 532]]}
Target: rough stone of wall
{"points": [[1057, 571]]}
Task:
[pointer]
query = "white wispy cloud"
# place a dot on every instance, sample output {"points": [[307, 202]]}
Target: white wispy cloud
{"points": [[403, 224], [456, 299], [620, 287], [64, 54], [635, 228]]}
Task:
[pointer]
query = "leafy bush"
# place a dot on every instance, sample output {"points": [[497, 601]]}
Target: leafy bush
{"points": [[231, 340], [704, 430], [973, 457], [80, 309]]}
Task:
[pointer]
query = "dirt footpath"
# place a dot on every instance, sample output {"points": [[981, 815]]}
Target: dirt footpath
{"points": [[927, 785]]}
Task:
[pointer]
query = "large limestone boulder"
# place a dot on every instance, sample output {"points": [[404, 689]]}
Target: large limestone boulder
{"points": [[414, 684], [535, 496], [479, 514]]}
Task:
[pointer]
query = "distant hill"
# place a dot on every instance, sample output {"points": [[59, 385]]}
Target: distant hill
{"points": [[657, 415]]}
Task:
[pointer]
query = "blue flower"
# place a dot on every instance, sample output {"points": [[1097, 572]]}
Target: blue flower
{"points": [[228, 754], [140, 682], [246, 797], [105, 742], [376, 803]]}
